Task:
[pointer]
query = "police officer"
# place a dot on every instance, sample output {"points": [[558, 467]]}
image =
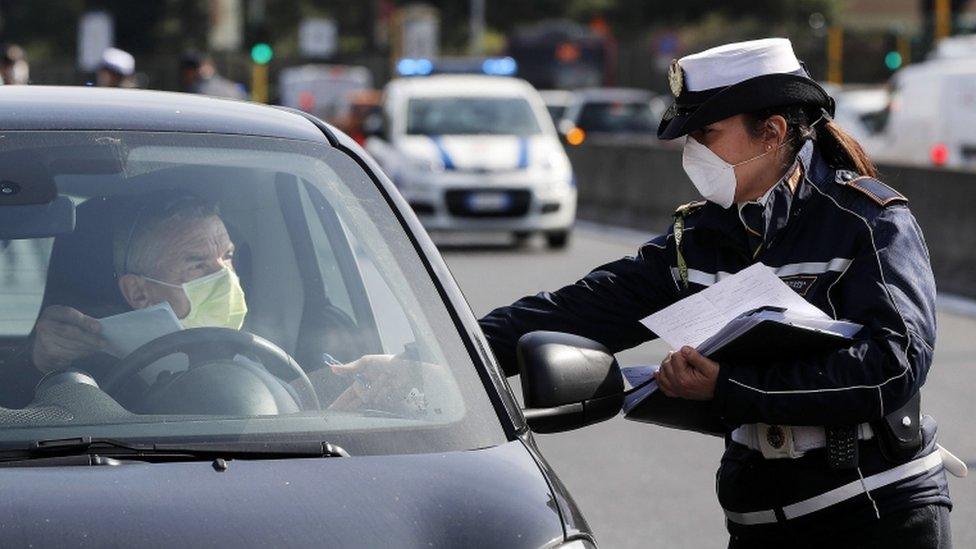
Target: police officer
{"points": [[821, 450], [116, 69]]}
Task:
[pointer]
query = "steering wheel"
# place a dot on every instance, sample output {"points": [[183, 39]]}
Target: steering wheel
{"points": [[206, 345]]}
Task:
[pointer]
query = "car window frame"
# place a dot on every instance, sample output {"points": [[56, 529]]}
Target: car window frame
{"points": [[500, 393]]}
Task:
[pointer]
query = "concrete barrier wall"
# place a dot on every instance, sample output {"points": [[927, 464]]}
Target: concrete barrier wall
{"points": [[640, 185]]}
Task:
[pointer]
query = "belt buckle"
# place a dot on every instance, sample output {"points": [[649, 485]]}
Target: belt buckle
{"points": [[776, 441]]}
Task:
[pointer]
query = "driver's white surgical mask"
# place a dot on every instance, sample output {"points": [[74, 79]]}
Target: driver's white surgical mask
{"points": [[713, 177], [216, 300]]}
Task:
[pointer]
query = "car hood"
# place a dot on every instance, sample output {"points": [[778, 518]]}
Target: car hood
{"points": [[495, 497]]}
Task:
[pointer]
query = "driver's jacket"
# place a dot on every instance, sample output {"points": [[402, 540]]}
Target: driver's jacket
{"points": [[847, 244]]}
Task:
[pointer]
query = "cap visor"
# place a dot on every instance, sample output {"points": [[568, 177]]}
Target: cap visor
{"points": [[674, 127]]}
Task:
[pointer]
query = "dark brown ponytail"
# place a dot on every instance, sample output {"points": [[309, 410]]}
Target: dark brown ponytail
{"points": [[840, 150]]}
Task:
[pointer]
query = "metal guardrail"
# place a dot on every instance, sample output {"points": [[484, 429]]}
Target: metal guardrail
{"points": [[639, 184]]}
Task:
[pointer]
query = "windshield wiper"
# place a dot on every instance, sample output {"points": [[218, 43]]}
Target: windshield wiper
{"points": [[174, 451]]}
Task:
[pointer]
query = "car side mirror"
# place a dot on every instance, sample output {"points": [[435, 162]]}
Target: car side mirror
{"points": [[568, 381]]}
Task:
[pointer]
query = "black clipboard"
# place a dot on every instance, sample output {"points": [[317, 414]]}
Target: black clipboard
{"points": [[766, 340]]}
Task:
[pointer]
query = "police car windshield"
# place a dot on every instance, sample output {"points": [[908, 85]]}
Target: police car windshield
{"points": [[220, 289], [471, 116]]}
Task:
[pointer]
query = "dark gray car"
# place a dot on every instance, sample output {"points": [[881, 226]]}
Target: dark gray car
{"points": [[357, 405]]}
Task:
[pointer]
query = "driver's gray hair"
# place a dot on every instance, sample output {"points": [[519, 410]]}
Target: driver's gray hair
{"points": [[134, 243]]}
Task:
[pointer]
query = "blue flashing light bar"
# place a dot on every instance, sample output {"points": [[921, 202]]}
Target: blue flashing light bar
{"points": [[499, 66], [415, 67], [493, 66]]}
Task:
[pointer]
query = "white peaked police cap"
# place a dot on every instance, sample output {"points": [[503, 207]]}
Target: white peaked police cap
{"points": [[733, 63], [737, 78], [118, 61]]}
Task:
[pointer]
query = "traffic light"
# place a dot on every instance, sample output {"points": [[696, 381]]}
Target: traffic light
{"points": [[897, 49], [893, 60], [261, 53]]}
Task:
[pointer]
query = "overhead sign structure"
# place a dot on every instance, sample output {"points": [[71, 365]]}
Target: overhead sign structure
{"points": [[318, 37], [417, 33], [96, 33], [226, 25]]}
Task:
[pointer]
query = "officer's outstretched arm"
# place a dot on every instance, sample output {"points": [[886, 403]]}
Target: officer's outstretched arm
{"points": [[605, 306], [889, 288]]}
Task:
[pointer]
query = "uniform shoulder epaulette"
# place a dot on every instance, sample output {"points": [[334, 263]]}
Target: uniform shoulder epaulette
{"points": [[878, 192], [685, 209]]}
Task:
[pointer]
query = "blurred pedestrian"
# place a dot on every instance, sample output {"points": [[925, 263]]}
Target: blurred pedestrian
{"points": [[13, 65], [198, 75], [116, 69]]}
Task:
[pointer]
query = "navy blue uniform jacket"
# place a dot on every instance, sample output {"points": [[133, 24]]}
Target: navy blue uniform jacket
{"points": [[848, 245]]}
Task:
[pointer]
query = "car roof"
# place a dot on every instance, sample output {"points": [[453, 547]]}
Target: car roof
{"points": [[458, 84], [87, 108]]}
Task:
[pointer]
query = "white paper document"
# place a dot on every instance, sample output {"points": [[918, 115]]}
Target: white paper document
{"points": [[696, 318], [127, 332]]}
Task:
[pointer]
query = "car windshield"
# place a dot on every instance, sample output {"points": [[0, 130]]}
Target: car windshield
{"points": [[220, 288], [471, 116], [618, 117]]}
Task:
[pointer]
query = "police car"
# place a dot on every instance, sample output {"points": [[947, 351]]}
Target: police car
{"points": [[476, 152]]}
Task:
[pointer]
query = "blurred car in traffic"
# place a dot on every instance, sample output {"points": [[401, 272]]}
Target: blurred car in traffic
{"points": [[557, 101], [321, 90], [622, 112], [475, 153], [261, 429], [358, 114], [562, 54], [931, 117]]}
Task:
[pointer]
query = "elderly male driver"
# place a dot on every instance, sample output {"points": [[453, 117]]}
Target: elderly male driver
{"points": [[177, 251]]}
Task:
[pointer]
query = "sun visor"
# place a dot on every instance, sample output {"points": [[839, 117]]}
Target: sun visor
{"points": [[25, 182], [22, 221]]}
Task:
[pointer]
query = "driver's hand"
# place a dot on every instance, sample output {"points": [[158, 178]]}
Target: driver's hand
{"points": [[63, 335], [384, 382]]}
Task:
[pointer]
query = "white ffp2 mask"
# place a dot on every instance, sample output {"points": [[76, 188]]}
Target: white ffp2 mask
{"points": [[713, 177]]}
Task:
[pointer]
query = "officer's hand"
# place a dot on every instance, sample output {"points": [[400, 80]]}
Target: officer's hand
{"points": [[386, 382], [687, 374], [63, 335]]}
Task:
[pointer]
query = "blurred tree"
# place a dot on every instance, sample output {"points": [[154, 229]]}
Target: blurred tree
{"points": [[169, 26], [47, 27]]}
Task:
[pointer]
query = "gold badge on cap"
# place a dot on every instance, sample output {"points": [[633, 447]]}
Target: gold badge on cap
{"points": [[676, 77]]}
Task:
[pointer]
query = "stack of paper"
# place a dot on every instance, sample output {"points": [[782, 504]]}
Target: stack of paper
{"points": [[751, 315], [701, 316]]}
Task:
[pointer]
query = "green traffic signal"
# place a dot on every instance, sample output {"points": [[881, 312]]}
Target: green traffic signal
{"points": [[261, 53], [892, 60]]}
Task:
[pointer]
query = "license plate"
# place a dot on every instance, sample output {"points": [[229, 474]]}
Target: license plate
{"points": [[488, 202]]}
